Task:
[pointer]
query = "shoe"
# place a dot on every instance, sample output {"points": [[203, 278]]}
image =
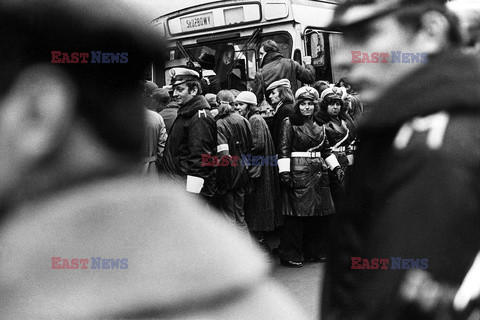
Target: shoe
{"points": [[291, 264]]}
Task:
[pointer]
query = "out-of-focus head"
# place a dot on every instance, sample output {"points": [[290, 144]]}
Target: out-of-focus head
{"points": [[401, 33], [50, 85], [149, 102]]}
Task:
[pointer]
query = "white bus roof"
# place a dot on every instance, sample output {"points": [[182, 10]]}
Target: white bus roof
{"points": [[240, 14]]}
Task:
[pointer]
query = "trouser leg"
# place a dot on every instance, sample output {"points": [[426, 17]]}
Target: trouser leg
{"points": [[233, 206], [312, 239], [291, 239]]}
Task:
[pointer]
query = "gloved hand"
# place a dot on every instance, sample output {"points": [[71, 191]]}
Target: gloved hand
{"points": [[286, 178], [339, 173]]}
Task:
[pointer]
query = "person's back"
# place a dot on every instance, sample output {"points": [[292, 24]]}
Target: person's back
{"points": [[155, 138], [169, 114], [275, 66], [236, 133], [138, 244], [83, 235]]}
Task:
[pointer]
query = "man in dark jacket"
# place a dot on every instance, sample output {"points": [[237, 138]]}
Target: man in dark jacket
{"points": [[234, 136], [275, 66], [192, 135], [415, 190]]}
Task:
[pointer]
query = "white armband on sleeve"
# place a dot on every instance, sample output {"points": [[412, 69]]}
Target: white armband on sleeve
{"points": [[332, 162], [284, 165], [222, 147], [194, 184]]}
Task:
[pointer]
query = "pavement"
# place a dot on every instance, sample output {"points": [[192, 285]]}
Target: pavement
{"points": [[302, 283]]}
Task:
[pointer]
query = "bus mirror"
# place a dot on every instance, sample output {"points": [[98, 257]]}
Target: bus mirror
{"points": [[317, 48]]}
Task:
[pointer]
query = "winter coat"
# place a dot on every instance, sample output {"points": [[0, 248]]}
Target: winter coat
{"points": [[276, 67], [234, 138], [262, 211], [164, 240], [154, 143], [169, 115], [414, 192], [309, 194], [341, 134], [283, 111], [192, 135]]}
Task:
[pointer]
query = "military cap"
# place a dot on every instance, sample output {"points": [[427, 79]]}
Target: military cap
{"points": [[330, 94], [181, 75], [351, 12], [279, 83], [306, 93]]}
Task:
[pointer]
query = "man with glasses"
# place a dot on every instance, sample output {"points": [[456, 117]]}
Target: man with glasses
{"points": [[414, 195]]}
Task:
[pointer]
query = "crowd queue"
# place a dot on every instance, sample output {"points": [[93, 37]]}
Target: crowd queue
{"points": [[305, 149]]}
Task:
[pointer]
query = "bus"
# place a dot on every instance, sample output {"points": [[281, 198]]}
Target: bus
{"points": [[232, 31]]}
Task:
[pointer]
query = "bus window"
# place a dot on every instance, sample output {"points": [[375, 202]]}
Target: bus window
{"points": [[318, 47], [235, 65]]}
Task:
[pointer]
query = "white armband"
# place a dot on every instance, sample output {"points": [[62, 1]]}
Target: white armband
{"points": [[284, 165], [222, 147], [332, 162], [194, 184]]}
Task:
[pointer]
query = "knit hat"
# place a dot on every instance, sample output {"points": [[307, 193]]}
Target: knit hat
{"points": [[247, 97]]}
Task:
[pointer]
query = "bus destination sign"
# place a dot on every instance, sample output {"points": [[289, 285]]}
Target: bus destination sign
{"points": [[198, 22]]}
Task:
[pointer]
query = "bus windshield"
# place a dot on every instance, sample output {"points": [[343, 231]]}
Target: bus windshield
{"points": [[235, 64]]}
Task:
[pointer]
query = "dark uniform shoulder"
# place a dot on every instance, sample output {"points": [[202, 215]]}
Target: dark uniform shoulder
{"points": [[456, 136]]}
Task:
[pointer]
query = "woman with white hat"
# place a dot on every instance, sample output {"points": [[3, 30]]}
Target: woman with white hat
{"points": [[261, 212], [304, 160]]}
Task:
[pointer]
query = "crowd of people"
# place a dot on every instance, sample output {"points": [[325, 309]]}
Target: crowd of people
{"points": [[93, 156], [283, 172]]}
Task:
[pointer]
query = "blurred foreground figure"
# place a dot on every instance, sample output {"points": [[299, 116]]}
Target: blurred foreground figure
{"points": [[414, 192], [83, 236]]}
